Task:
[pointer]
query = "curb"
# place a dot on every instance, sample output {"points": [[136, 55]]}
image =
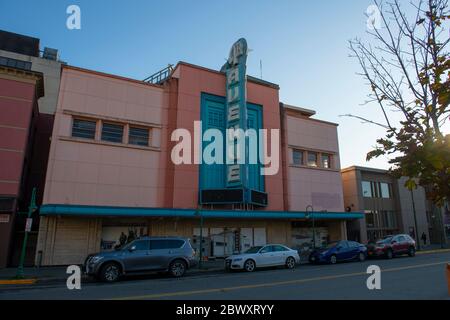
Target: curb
{"points": [[18, 281], [432, 251]]}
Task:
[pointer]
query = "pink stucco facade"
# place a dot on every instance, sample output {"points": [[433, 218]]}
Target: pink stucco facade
{"points": [[192, 81], [100, 173], [95, 172], [319, 187]]}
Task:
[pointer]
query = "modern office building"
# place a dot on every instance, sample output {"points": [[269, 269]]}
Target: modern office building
{"points": [[118, 165], [21, 55], [388, 207]]}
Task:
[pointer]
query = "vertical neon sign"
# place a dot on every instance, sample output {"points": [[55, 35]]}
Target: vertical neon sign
{"points": [[236, 115]]}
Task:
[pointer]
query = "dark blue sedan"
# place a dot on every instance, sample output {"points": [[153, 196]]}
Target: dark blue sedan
{"points": [[339, 251]]}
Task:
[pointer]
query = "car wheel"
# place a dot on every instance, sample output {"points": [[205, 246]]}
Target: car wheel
{"points": [[110, 272], [177, 268], [249, 266], [411, 251], [290, 263], [361, 256], [389, 254], [333, 259]]}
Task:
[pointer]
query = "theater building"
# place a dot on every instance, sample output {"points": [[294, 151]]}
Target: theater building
{"points": [[111, 168]]}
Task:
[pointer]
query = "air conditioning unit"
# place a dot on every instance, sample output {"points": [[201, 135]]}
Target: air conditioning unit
{"points": [[50, 54], [258, 198]]}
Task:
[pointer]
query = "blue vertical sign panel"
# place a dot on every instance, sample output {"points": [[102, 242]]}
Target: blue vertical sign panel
{"points": [[236, 114]]}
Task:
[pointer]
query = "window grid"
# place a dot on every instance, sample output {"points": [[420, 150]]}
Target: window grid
{"points": [[83, 129], [112, 132], [138, 136]]}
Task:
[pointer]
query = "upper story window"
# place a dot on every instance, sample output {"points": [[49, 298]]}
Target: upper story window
{"points": [[312, 159], [83, 129], [14, 63], [297, 156], [138, 136], [366, 189], [112, 132], [374, 189], [326, 161], [385, 189]]}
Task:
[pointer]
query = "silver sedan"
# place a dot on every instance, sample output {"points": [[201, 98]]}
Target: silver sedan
{"points": [[263, 256]]}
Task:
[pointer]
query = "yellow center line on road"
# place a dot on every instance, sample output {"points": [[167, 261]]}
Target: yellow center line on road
{"points": [[270, 284]]}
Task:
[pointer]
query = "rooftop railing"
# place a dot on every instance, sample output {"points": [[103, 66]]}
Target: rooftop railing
{"points": [[160, 76]]}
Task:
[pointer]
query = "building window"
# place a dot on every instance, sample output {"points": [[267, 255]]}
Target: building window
{"points": [[326, 161], [312, 159], [385, 190], [370, 219], [391, 220], [297, 157], [112, 132], [83, 129], [14, 63], [138, 136], [366, 189]]}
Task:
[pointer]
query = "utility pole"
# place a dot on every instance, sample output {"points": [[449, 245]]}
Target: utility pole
{"points": [[31, 209], [416, 233]]}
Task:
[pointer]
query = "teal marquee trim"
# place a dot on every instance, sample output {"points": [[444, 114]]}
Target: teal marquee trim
{"points": [[105, 211]]}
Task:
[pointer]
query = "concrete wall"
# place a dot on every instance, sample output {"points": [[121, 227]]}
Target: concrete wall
{"points": [[407, 212]]}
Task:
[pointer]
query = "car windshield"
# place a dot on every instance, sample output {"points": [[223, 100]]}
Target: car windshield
{"points": [[253, 250], [330, 245], [125, 246], [385, 240]]}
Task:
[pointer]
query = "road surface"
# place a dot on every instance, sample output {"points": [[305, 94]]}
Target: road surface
{"points": [[421, 277]]}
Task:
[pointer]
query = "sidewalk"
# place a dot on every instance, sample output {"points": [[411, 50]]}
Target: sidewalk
{"points": [[433, 248]]}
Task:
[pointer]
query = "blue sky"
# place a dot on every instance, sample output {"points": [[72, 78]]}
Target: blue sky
{"points": [[303, 46]]}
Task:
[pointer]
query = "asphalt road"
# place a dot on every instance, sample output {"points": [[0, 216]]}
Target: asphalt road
{"points": [[421, 277]]}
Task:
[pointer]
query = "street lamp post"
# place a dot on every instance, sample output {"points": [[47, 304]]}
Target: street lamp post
{"points": [[199, 213], [31, 209], [313, 223]]}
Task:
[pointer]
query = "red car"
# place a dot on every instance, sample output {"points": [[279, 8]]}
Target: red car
{"points": [[393, 246]]}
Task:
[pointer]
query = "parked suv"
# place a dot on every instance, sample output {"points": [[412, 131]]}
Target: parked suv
{"points": [[163, 254], [392, 246]]}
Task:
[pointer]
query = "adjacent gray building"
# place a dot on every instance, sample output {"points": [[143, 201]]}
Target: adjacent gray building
{"points": [[388, 207]]}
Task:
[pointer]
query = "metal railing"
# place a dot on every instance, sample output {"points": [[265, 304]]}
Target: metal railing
{"points": [[160, 76]]}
